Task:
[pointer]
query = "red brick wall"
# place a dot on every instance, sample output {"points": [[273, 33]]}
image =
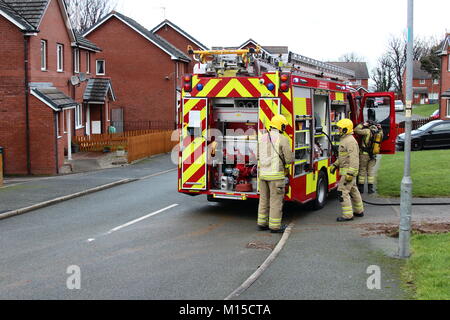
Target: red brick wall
{"points": [[138, 70], [12, 98], [179, 41], [445, 79]]}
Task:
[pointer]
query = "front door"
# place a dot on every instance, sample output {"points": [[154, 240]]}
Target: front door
{"points": [[193, 142], [384, 114]]}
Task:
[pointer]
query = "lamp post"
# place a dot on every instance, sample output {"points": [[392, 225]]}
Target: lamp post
{"points": [[406, 186]]}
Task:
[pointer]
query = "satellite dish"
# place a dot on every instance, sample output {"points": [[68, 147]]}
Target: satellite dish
{"points": [[75, 80], [82, 76]]}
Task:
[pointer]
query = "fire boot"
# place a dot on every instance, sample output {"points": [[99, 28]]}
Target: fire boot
{"points": [[370, 188], [361, 188]]}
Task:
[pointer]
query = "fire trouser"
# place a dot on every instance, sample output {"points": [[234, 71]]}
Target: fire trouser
{"points": [[270, 210], [366, 169], [350, 198]]}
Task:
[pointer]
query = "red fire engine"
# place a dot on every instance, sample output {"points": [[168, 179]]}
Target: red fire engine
{"points": [[230, 99]]}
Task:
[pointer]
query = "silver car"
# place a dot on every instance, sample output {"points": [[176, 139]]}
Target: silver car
{"points": [[399, 106]]}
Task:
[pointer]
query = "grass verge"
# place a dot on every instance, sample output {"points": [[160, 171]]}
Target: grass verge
{"points": [[425, 110], [430, 172], [427, 272]]}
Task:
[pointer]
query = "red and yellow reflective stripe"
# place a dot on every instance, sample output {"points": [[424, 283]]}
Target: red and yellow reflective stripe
{"points": [[193, 155]]}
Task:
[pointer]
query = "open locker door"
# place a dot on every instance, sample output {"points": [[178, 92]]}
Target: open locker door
{"points": [[380, 107], [194, 144]]}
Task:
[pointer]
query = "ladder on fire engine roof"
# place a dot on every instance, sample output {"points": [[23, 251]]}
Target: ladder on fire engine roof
{"points": [[309, 65]]}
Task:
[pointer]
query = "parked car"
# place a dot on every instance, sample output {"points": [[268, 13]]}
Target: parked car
{"points": [[379, 102], [435, 115], [399, 106], [434, 134]]}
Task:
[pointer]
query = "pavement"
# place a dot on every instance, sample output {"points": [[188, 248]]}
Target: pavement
{"points": [[143, 240]]}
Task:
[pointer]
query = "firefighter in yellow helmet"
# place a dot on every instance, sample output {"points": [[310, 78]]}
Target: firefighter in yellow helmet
{"points": [[274, 155], [371, 134], [348, 164]]}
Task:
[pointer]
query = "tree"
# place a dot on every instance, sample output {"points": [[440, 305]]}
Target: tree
{"points": [[396, 53], [350, 57], [431, 62], [383, 75], [85, 13]]}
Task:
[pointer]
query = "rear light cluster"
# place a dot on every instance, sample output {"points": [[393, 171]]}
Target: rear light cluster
{"points": [[187, 83], [284, 82]]}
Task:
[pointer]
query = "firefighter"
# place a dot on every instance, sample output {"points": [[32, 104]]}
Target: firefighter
{"points": [[274, 154], [348, 164], [369, 132]]}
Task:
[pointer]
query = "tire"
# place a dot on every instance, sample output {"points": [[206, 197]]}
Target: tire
{"points": [[416, 145], [321, 191]]}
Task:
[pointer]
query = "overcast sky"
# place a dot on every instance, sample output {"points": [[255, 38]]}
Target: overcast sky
{"points": [[320, 29]]}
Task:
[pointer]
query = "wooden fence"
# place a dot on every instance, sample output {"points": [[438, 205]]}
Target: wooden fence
{"points": [[143, 146], [139, 144]]}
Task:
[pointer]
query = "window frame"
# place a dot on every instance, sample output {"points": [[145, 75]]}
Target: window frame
{"points": [[448, 108], [97, 68], [78, 117], [435, 81], [421, 81], [76, 60], [44, 53], [59, 57], [88, 62]]}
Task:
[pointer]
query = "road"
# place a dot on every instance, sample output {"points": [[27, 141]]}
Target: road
{"points": [[143, 240]]}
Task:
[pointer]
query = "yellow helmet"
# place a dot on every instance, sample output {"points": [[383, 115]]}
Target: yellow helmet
{"points": [[278, 121], [346, 125]]}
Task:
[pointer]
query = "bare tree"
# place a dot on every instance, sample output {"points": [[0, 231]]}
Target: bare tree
{"points": [[396, 53], [350, 57], [383, 75], [85, 13]]}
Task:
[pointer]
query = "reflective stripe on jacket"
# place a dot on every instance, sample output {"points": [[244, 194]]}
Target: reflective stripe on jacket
{"points": [[348, 159], [271, 149]]}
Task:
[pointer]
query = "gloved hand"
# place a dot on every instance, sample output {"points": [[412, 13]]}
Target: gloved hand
{"points": [[333, 169], [348, 178]]}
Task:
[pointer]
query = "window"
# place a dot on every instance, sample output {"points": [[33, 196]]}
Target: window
{"points": [[448, 108], [448, 63], [57, 123], [60, 57], [416, 95], [422, 81], [357, 82], [100, 67], [435, 81], [76, 60], [78, 117], [442, 127], [88, 62], [43, 55]]}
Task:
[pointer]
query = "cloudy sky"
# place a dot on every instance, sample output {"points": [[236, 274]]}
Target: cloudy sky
{"points": [[319, 29]]}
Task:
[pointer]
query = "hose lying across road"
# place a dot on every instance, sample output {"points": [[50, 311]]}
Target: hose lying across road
{"points": [[414, 204]]}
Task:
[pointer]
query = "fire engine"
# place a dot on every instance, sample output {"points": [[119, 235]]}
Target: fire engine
{"points": [[229, 100]]}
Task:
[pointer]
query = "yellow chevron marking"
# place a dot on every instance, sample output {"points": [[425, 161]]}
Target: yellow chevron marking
{"points": [[261, 87], [209, 86], [189, 105], [236, 85]]}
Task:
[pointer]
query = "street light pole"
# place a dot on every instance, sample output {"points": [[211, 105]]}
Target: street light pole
{"points": [[406, 187]]}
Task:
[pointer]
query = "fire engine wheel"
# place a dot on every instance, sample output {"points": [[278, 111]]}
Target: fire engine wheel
{"points": [[321, 191]]}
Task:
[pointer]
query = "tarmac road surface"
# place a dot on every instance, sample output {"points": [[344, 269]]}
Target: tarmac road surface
{"points": [[143, 240]]}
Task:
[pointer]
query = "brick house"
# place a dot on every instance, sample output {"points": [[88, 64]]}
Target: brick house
{"points": [[445, 79], [146, 70], [178, 38], [425, 88], [40, 107], [361, 80]]}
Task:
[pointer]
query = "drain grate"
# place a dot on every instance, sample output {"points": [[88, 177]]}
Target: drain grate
{"points": [[260, 245]]}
